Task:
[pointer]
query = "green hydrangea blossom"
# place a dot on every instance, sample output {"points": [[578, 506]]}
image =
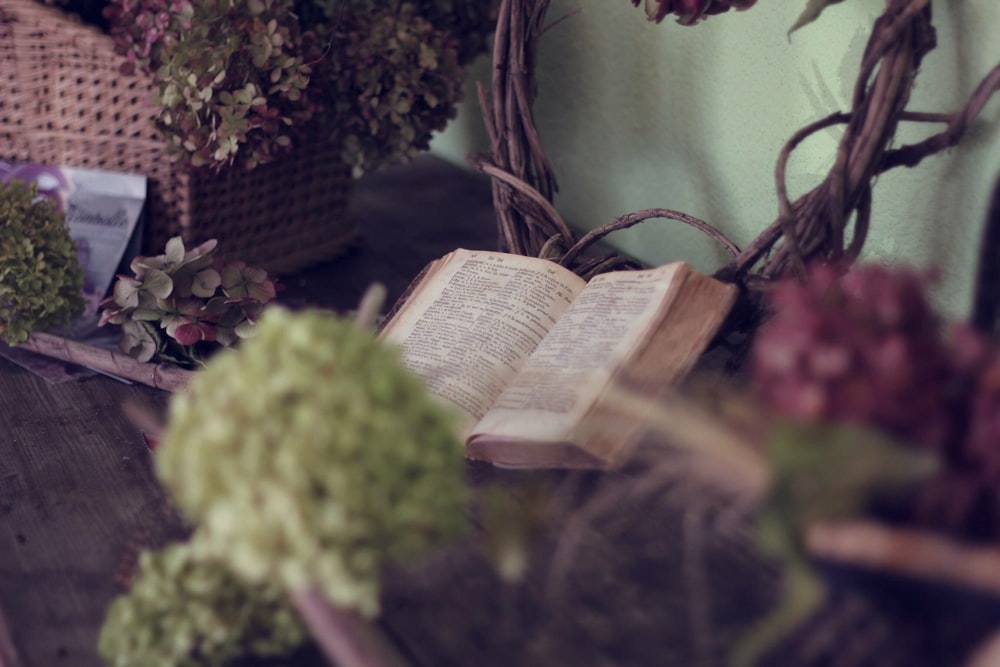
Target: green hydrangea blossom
{"points": [[185, 611], [41, 282], [310, 455]]}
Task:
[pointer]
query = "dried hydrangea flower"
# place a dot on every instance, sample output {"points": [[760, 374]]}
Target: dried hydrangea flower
{"points": [[310, 456], [863, 347], [41, 282], [177, 301], [184, 610]]}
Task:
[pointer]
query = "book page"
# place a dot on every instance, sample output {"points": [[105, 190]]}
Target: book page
{"points": [[470, 327], [568, 370]]}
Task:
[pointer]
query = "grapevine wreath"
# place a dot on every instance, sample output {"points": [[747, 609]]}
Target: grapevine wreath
{"points": [[720, 567]]}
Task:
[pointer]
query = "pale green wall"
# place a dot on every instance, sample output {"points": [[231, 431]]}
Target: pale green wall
{"points": [[637, 115]]}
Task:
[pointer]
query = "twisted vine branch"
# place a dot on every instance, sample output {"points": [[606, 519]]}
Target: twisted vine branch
{"points": [[525, 223], [523, 180], [814, 226]]}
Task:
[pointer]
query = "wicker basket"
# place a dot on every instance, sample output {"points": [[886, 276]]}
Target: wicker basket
{"points": [[63, 101]]}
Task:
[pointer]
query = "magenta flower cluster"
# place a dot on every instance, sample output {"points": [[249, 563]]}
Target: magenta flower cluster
{"points": [[867, 347], [142, 27], [689, 12]]}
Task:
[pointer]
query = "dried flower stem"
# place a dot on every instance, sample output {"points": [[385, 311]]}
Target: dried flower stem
{"points": [[723, 456], [366, 317], [988, 653], [346, 639], [920, 554]]}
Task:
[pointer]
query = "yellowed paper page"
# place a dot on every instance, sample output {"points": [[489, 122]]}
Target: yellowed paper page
{"points": [[469, 330], [568, 370]]}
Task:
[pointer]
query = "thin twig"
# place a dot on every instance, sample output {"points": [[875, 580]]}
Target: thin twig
{"points": [[369, 307], [631, 219], [549, 249], [919, 554], [528, 191], [567, 15], [987, 654], [589, 268], [911, 155]]}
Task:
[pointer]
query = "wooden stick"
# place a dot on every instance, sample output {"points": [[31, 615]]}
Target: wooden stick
{"points": [[346, 639], [161, 376], [912, 553]]}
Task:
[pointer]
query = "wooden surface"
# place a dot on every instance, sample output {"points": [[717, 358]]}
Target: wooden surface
{"points": [[77, 493]]}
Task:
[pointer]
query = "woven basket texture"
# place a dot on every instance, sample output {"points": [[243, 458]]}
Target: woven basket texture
{"points": [[65, 102]]}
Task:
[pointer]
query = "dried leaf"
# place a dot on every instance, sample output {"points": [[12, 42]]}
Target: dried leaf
{"points": [[174, 251], [205, 282], [139, 341], [812, 11], [158, 283], [126, 292]]}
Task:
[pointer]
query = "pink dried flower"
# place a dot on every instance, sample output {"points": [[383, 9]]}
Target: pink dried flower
{"points": [[862, 347], [690, 12], [179, 302]]}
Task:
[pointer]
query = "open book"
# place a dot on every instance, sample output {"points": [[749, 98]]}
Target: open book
{"points": [[524, 348]]}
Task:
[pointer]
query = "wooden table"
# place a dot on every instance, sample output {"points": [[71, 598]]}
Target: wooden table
{"points": [[77, 495]]}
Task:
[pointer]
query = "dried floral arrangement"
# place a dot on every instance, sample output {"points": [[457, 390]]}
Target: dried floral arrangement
{"points": [[183, 305], [41, 282], [300, 492], [849, 366], [240, 81]]}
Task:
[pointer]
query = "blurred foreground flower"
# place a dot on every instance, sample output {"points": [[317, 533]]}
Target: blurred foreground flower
{"points": [[309, 456], [864, 347]]}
